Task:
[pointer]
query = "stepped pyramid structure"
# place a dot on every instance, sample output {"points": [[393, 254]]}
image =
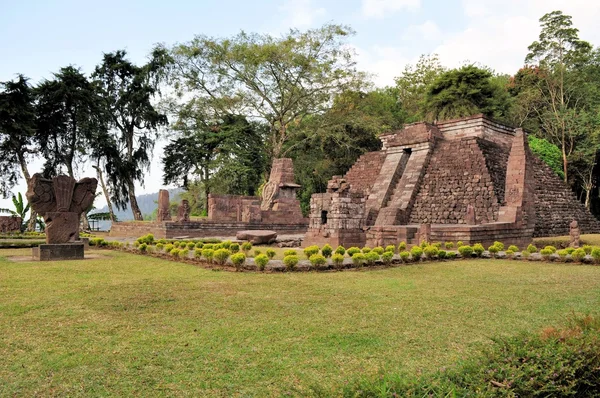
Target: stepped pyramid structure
{"points": [[471, 180]]}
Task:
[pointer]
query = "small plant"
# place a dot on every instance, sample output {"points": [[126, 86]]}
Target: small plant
{"points": [[551, 248], [326, 251], [174, 252], [261, 261], [416, 253], [499, 245], [437, 245], [401, 246], [424, 244], [169, 247], [290, 262], [404, 256], [135, 244], [587, 249], [596, 254], [430, 251], [459, 244], [175, 244], [562, 254], [451, 255], [318, 260], [226, 244], [96, 241], [257, 252], [449, 245], [217, 246], [358, 259], [465, 251], [338, 260], [270, 253], [238, 260], [513, 248], [387, 257], [143, 248], [366, 250], [478, 249], [340, 250], [570, 250], [160, 246], [442, 254], [184, 253], [532, 249], [147, 239], [509, 253], [210, 246], [235, 248], [578, 255], [199, 245], [191, 245], [290, 252], [163, 241], [372, 257], [525, 254], [208, 254], [246, 247], [379, 250], [220, 256], [390, 248], [310, 250], [352, 251], [493, 249], [545, 253], [198, 253]]}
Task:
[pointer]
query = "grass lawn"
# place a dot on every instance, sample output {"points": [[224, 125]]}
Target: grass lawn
{"points": [[128, 325]]}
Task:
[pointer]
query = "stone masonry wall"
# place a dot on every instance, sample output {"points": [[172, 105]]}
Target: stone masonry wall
{"points": [[365, 171], [496, 159], [455, 177]]}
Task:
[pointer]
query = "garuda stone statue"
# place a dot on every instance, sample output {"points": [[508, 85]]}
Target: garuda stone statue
{"points": [[60, 201]]}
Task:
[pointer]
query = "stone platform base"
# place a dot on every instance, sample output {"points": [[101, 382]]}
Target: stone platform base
{"points": [[62, 251]]}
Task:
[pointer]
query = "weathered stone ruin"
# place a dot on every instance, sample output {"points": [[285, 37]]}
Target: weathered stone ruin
{"points": [[10, 224], [471, 180]]}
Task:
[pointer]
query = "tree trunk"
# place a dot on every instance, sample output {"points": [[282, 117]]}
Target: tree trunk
{"points": [[32, 214], [565, 161], [105, 192], [85, 222], [135, 209]]}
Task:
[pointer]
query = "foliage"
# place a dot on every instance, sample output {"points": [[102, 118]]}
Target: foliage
{"points": [[143, 247], [548, 152], [310, 250], [290, 252], [513, 248], [290, 262], [238, 260], [587, 249], [478, 249], [451, 255], [372, 257], [326, 250], [596, 254], [442, 254], [257, 252], [21, 210], [208, 254], [358, 259], [340, 250], [449, 245], [430, 251], [532, 249], [220, 256], [379, 250], [493, 249], [366, 249], [465, 251], [390, 248], [261, 261], [352, 251], [401, 246], [246, 247], [578, 255], [499, 245], [387, 257], [338, 260], [551, 248], [234, 247], [416, 253], [459, 243], [270, 253], [404, 256], [318, 260]]}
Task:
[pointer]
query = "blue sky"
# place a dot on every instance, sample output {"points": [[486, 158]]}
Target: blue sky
{"points": [[39, 37]]}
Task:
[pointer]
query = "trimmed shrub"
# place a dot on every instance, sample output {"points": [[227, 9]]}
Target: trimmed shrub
{"points": [[545, 253], [451, 255], [169, 247], [226, 244], [437, 245], [532, 249], [235, 248], [147, 239], [459, 243], [379, 250], [551, 248], [578, 255], [197, 253], [596, 254], [326, 251], [499, 245], [318, 260], [424, 244], [513, 248], [442, 254], [290, 252], [371, 257], [160, 246], [430, 251], [175, 252], [352, 251], [401, 246], [261, 261], [184, 253], [587, 249], [208, 254], [449, 245], [478, 249], [221, 255], [310, 250], [493, 249], [338, 260], [390, 248], [509, 253], [143, 247], [358, 259], [465, 251], [340, 250], [96, 241], [163, 241], [217, 246], [366, 250], [238, 260], [191, 245], [387, 257], [257, 252], [176, 244], [562, 254], [209, 246], [199, 245], [416, 253], [270, 253], [290, 262], [570, 250], [246, 247], [404, 256]]}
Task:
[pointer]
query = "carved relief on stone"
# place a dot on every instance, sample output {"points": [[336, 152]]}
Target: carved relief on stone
{"points": [[60, 201], [10, 224], [268, 195], [574, 233], [183, 211]]}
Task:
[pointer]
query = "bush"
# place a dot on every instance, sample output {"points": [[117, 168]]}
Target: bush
{"points": [[366, 250], [587, 249], [169, 247], [442, 254], [596, 254], [184, 253], [175, 252], [416, 252], [160, 246], [257, 252], [371, 257], [390, 248], [190, 245], [318, 260], [437, 245], [451, 255], [401, 246], [551, 248], [226, 244], [570, 250], [290, 262], [340, 250], [509, 253], [387, 257], [176, 244], [545, 253], [197, 253], [465, 251], [558, 242], [163, 241], [270, 253], [532, 249], [96, 242], [220, 256], [404, 256], [352, 251], [143, 247], [578, 255], [358, 259], [147, 239], [310, 250], [493, 249], [478, 249], [431, 251], [235, 248], [208, 254], [199, 245], [424, 244], [290, 252], [499, 245], [217, 246], [326, 251], [562, 254], [338, 260], [513, 248], [459, 244], [209, 246], [449, 245], [379, 250], [238, 260], [261, 261], [246, 247]]}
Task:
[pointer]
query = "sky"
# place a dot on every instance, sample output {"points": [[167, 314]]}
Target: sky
{"points": [[39, 37]]}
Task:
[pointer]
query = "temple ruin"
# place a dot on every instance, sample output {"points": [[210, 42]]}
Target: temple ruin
{"points": [[471, 180]]}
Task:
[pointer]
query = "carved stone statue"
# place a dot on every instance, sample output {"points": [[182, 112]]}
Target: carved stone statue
{"points": [[268, 194], [470, 218], [60, 201], [183, 211], [574, 233], [164, 213]]}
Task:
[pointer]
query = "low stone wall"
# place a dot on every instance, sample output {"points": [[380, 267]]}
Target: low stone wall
{"points": [[198, 229]]}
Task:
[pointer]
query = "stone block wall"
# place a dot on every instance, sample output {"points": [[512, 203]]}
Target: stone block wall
{"points": [[230, 207], [365, 171], [411, 134], [10, 224]]}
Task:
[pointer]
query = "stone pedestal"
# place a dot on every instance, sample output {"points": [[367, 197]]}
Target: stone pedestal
{"points": [[62, 251]]}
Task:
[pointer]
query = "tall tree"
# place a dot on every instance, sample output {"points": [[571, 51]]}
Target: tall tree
{"points": [[127, 91], [278, 80], [17, 132]]}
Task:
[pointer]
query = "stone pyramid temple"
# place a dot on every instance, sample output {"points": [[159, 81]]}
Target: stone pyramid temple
{"points": [[471, 180]]}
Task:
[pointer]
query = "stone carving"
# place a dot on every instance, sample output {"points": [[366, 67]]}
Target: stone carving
{"points": [[268, 195], [183, 211], [164, 213], [470, 218], [575, 233], [9, 224], [338, 184], [424, 233], [60, 201]]}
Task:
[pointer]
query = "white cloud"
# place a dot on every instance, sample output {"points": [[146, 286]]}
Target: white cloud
{"points": [[428, 30], [301, 13], [381, 8], [385, 63]]}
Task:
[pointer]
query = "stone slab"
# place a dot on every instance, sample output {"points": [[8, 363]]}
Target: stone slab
{"points": [[62, 251], [258, 236]]}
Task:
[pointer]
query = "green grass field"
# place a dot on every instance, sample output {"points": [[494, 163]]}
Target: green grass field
{"points": [[127, 325]]}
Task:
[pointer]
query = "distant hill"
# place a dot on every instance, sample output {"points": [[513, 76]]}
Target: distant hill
{"points": [[147, 203]]}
